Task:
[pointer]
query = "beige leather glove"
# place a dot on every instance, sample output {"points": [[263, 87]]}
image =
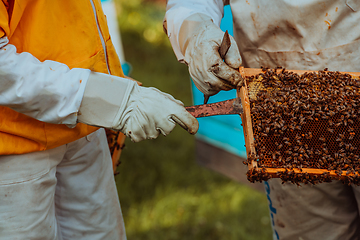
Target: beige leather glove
{"points": [[199, 40], [138, 112]]}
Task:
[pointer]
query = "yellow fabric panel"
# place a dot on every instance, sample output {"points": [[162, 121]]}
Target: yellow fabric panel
{"points": [[59, 30], [15, 126], [114, 61], [4, 19], [59, 134]]}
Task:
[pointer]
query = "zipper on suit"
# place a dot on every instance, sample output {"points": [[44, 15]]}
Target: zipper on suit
{"points": [[101, 36]]}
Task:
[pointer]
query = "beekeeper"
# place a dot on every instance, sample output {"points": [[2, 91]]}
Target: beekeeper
{"points": [[60, 78], [305, 35]]}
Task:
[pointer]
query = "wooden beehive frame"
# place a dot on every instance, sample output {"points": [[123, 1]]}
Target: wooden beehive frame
{"points": [[248, 129]]}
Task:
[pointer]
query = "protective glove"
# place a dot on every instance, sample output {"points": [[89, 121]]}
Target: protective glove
{"points": [[199, 40], [138, 112]]}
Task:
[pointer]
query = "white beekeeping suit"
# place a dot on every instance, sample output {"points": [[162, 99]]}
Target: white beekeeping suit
{"points": [[305, 35]]}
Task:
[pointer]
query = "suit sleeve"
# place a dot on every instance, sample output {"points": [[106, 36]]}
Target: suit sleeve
{"points": [[178, 10], [48, 91]]}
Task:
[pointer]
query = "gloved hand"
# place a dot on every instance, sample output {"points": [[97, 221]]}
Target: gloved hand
{"points": [[199, 40], [138, 112]]}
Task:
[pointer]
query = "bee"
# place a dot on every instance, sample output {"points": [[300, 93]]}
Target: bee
{"points": [[330, 130], [267, 130], [288, 152], [338, 172], [351, 136], [309, 135], [322, 138]]}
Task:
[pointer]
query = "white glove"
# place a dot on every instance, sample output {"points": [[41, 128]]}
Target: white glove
{"points": [[199, 40], [138, 112]]}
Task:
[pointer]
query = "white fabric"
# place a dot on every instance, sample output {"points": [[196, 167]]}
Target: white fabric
{"points": [[178, 10], [48, 91], [200, 40], [308, 35], [63, 193], [326, 211], [292, 34], [104, 100]]}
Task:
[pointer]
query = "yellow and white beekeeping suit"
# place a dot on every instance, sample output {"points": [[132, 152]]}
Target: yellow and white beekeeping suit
{"points": [[59, 77]]}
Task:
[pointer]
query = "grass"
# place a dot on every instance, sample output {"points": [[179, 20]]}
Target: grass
{"points": [[164, 194]]}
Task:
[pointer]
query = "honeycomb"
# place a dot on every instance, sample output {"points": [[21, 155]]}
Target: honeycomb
{"points": [[305, 122]]}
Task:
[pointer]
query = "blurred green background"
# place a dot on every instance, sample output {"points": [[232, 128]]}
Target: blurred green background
{"points": [[163, 192]]}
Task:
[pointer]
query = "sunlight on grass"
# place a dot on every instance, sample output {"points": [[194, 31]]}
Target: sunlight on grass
{"points": [[187, 211]]}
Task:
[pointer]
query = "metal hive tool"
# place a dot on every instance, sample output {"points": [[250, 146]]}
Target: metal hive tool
{"points": [[311, 138]]}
